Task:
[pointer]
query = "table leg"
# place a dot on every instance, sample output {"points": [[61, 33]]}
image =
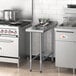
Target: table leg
{"points": [[53, 45], [18, 64], [73, 71], [30, 52], [41, 38]]}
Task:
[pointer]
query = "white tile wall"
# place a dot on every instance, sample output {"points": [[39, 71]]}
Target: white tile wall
{"points": [[48, 8], [73, 1], [52, 9], [44, 8]]}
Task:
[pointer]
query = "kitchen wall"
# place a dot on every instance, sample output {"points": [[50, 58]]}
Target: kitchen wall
{"points": [[50, 9], [53, 9], [24, 5]]}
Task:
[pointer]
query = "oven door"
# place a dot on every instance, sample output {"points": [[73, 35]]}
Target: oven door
{"points": [[9, 46]]}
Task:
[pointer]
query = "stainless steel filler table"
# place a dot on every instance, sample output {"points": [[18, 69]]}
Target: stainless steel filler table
{"points": [[41, 31]]}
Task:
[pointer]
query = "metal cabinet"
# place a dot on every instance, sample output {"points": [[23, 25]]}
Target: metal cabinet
{"points": [[65, 47]]}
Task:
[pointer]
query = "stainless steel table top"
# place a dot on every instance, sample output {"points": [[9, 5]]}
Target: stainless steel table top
{"points": [[41, 29]]}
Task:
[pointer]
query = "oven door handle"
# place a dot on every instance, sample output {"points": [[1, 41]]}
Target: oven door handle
{"points": [[6, 41], [13, 36], [66, 31]]}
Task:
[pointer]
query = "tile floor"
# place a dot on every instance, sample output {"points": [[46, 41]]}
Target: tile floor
{"points": [[49, 69]]}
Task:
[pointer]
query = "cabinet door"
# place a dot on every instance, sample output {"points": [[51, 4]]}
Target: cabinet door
{"points": [[65, 54], [9, 46]]}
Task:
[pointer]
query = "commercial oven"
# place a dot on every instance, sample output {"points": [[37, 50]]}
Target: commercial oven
{"points": [[12, 43]]}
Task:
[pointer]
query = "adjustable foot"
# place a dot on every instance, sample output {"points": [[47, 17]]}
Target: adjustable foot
{"points": [[30, 70], [40, 71]]}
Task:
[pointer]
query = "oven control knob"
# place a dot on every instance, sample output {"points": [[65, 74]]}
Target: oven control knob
{"points": [[5, 31], [63, 36], [15, 32], [2, 31]]}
